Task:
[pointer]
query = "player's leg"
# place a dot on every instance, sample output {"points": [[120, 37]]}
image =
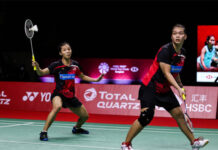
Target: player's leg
{"points": [[82, 113], [143, 120], [133, 131], [178, 115], [173, 107], [56, 107], [147, 101], [83, 116]]}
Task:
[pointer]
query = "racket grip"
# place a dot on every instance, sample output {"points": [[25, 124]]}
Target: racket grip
{"points": [[33, 58], [183, 95]]}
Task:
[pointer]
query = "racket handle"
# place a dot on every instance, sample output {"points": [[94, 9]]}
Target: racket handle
{"points": [[183, 95], [33, 58]]}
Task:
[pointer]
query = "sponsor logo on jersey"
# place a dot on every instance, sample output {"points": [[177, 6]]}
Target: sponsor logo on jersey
{"points": [[67, 76], [175, 69]]}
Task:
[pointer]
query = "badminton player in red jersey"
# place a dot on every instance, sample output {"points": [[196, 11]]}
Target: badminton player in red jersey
{"points": [[64, 71], [155, 89]]}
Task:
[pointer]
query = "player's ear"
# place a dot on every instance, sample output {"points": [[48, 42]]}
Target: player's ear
{"points": [[186, 36], [60, 53], [172, 37]]}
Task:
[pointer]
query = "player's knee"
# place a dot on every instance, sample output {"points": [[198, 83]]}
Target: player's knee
{"points": [[85, 117], [146, 116]]}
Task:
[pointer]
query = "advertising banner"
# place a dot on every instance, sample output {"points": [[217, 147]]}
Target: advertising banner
{"points": [[207, 64], [201, 102], [110, 99], [26, 96], [117, 71], [103, 99]]}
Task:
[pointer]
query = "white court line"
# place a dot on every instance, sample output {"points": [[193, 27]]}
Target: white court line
{"points": [[15, 125], [88, 125], [112, 128], [103, 126], [85, 125], [61, 145], [147, 130], [68, 124]]}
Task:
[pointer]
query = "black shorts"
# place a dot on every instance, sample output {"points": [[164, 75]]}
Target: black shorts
{"points": [[149, 98], [67, 102]]}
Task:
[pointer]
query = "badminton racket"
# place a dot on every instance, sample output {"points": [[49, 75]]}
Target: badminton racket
{"points": [[29, 29], [186, 116]]}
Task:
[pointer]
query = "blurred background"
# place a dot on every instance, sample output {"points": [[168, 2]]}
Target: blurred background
{"points": [[97, 29]]}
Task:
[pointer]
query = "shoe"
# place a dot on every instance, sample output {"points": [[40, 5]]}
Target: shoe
{"points": [[126, 146], [79, 131], [199, 143], [43, 136]]}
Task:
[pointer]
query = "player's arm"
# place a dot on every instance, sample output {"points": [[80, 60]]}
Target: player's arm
{"points": [[203, 51], [166, 71], [39, 71], [89, 79], [178, 80], [215, 59]]}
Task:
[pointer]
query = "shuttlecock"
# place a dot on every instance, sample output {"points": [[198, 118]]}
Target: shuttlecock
{"points": [[34, 28]]}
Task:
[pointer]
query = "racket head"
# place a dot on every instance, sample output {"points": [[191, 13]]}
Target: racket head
{"points": [[188, 122], [28, 25]]}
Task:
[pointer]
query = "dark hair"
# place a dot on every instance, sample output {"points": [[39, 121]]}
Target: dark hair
{"points": [[179, 26], [208, 38], [62, 44]]}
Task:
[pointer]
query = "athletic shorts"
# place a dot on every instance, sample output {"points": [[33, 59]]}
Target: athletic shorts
{"points": [[67, 102], [149, 98]]}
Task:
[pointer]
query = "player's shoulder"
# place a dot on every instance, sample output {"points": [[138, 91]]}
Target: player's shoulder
{"points": [[167, 46], [75, 63], [183, 51], [56, 63]]}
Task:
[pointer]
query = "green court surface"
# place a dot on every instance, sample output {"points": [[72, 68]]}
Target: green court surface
{"points": [[24, 135]]}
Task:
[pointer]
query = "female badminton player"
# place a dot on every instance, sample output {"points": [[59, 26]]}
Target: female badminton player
{"points": [[155, 89], [64, 71], [208, 55]]}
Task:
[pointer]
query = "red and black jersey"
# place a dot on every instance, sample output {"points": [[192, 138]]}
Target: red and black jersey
{"points": [[65, 77], [155, 77]]}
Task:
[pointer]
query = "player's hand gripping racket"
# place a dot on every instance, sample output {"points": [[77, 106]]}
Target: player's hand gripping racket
{"points": [[29, 29], [186, 116]]}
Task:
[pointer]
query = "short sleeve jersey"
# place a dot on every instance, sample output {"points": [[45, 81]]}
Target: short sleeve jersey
{"points": [[65, 77], [155, 77]]}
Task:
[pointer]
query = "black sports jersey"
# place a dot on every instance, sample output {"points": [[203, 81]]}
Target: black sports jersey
{"points": [[65, 77], [155, 77]]}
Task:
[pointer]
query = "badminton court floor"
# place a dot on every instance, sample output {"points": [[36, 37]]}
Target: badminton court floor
{"points": [[17, 134]]}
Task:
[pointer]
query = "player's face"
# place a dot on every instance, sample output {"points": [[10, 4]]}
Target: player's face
{"points": [[211, 40], [66, 51], [178, 35]]}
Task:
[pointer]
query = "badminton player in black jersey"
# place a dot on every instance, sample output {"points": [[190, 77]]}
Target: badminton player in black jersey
{"points": [[155, 89], [64, 71]]}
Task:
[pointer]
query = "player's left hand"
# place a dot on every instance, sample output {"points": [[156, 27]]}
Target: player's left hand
{"points": [[182, 93], [100, 77]]}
